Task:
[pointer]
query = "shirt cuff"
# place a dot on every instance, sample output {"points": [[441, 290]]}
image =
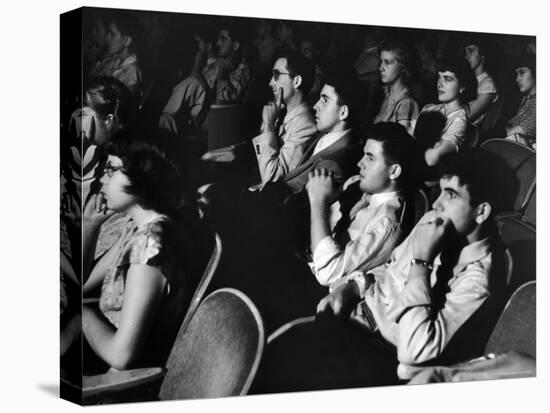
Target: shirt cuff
{"points": [[265, 144], [324, 252]]}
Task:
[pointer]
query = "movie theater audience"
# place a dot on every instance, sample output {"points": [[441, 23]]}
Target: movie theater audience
{"points": [[399, 300]]}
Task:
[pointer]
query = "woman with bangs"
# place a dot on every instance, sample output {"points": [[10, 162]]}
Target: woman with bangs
{"points": [[145, 280], [443, 128]]}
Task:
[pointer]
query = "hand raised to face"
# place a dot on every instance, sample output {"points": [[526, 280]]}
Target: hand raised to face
{"points": [[321, 188], [96, 211], [429, 236]]}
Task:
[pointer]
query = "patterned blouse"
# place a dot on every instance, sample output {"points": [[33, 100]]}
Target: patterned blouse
{"points": [[144, 245], [526, 117], [137, 246]]}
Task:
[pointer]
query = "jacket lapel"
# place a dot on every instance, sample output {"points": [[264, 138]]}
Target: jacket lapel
{"points": [[307, 159]]}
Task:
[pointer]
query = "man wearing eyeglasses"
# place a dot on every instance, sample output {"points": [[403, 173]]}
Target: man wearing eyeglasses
{"points": [[284, 137]]}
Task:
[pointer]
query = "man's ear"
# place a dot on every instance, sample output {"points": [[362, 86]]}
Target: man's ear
{"points": [[344, 112], [109, 121], [127, 41], [483, 212], [395, 171], [297, 81], [236, 45]]}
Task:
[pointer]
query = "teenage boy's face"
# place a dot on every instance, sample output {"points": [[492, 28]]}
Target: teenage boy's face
{"points": [[115, 40], [373, 169], [454, 203], [224, 43], [327, 110]]}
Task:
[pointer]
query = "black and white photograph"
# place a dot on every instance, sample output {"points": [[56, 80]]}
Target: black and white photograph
{"points": [[284, 205]]}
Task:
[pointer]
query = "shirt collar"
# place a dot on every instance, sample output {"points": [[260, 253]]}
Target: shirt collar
{"points": [[328, 139], [129, 60], [528, 97], [471, 253], [482, 76], [383, 197], [333, 136]]}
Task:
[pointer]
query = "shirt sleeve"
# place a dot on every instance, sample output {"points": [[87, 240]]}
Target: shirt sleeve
{"points": [[146, 248], [487, 86], [423, 332], [370, 249], [274, 162], [455, 131], [407, 110], [189, 93]]}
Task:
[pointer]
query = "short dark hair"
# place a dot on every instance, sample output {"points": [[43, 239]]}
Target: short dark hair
{"points": [[463, 72], [529, 61], [398, 146], [107, 95], [346, 86], [235, 32], [129, 25], [150, 163], [300, 65], [481, 41], [488, 177], [404, 56], [486, 47]]}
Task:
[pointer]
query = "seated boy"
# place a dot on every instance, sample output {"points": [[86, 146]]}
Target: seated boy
{"points": [[365, 237]]}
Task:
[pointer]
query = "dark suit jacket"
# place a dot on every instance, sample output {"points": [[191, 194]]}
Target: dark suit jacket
{"points": [[341, 158]]}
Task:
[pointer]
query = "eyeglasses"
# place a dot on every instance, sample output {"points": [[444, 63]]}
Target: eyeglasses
{"points": [[276, 73], [110, 169]]}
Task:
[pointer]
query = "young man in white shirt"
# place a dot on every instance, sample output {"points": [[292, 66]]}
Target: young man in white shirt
{"points": [[374, 225]]}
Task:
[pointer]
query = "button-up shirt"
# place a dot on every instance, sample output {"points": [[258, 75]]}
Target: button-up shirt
{"points": [[374, 231], [402, 307]]}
